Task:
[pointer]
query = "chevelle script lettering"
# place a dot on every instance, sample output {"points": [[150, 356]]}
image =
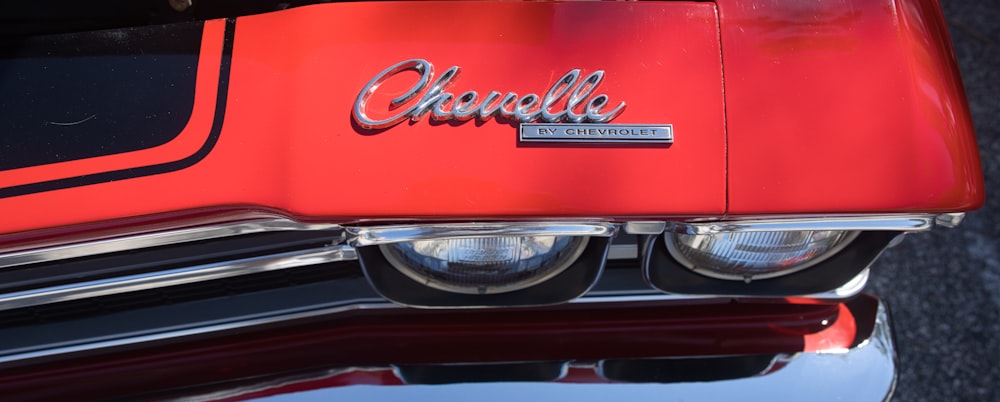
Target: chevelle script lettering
{"points": [[567, 100]]}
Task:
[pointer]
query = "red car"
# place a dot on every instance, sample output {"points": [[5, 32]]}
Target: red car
{"points": [[506, 200]]}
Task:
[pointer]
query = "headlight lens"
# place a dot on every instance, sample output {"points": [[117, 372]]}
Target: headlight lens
{"points": [[484, 265], [756, 255]]}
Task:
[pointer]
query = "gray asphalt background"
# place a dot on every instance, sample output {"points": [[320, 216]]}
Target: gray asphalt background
{"points": [[943, 287]]}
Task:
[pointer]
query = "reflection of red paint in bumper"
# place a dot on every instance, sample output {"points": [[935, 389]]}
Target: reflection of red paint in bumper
{"points": [[839, 335], [382, 337]]}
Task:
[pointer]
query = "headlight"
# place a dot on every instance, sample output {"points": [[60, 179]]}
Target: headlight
{"points": [[755, 255], [484, 265]]}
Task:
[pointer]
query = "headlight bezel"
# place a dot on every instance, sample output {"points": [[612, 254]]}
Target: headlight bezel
{"points": [[666, 274], [572, 282], [826, 279]]}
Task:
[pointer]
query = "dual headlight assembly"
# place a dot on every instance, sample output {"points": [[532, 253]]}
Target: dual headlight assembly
{"points": [[525, 264], [498, 264]]}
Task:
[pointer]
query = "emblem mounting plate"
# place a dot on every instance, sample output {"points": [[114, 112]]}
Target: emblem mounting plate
{"points": [[597, 133]]}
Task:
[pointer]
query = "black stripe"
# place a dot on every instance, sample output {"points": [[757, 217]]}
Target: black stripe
{"points": [[78, 96], [213, 137]]}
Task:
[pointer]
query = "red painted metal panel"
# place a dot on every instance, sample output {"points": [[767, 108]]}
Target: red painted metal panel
{"points": [[288, 143], [845, 107], [830, 107], [661, 58]]}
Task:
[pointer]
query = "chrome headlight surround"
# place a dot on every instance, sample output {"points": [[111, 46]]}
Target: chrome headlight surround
{"points": [[570, 276], [833, 271]]}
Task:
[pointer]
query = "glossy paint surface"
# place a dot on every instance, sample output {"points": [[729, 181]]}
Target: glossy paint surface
{"points": [[823, 107], [665, 66], [845, 106], [288, 141]]}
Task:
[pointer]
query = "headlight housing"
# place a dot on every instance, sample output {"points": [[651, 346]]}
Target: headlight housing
{"points": [[755, 254], [484, 265]]}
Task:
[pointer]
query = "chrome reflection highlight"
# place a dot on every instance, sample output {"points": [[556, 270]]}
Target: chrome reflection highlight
{"points": [[755, 255], [564, 97], [484, 265], [178, 276], [904, 223], [375, 235], [162, 238]]}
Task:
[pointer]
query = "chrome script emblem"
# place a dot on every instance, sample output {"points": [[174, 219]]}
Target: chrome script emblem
{"points": [[554, 107]]}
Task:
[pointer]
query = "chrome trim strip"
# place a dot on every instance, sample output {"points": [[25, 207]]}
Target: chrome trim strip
{"points": [[205, 272], [908, 223], [390, 234], [158, 239], [375, 235]]}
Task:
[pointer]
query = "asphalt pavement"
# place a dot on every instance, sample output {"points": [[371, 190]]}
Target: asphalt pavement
{"points": [[943, 287]]}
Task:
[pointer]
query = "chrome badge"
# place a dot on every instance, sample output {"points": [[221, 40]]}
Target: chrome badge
{"points": [[610, 133], [568, 112], [446, 106]]}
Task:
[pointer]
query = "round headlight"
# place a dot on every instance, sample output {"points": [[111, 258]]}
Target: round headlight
{"points": [[484, 265], [756, 255]]}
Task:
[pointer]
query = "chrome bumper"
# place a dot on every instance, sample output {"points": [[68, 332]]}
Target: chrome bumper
{"points": [[637, 350], [138, 304], [865, 372]]}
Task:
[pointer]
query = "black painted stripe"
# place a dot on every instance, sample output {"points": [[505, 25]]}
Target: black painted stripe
{"points": [[213, 137], [92, 94]]}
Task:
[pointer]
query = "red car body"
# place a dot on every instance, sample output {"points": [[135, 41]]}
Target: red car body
{"points": [[827, 111]]}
